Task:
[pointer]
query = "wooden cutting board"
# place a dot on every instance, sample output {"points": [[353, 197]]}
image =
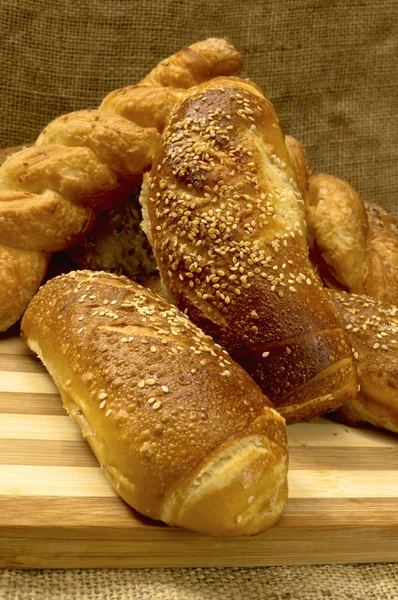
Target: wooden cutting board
{"points": [[58, 510]]}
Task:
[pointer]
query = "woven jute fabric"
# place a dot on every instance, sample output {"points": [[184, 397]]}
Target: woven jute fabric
{"points": [[329, 67], [349, 582]]}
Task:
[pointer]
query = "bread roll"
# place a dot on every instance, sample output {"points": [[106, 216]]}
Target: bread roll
{"points": [[371, 327], [182, 432], [226, 221]]}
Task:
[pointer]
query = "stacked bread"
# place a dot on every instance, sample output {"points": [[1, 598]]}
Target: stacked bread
{"points": [[184, 398], [85, 162], [354, 246]]}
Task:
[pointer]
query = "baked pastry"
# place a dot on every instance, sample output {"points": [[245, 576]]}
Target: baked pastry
{"points": [[82, 163], [371, 327], [117, 243], [356, 241], [226, 222], [149, 103], [183, 434], [50, 194]]}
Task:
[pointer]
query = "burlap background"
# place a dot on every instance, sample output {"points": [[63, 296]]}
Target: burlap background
{"points": [[351, 582], [329, 67]]}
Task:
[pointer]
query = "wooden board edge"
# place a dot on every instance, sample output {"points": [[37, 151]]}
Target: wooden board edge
{"points": [[340, 545]]}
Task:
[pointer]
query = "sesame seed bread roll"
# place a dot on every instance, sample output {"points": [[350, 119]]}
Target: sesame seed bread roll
{"points": [[372, 328], [226, 221], [183, 434]]}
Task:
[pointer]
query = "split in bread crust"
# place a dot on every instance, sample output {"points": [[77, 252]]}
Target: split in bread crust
{"points": [[182, 432], [226, 221]]}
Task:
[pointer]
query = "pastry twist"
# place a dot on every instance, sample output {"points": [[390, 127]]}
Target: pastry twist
{"points": [[82, 163], [353, 242]]}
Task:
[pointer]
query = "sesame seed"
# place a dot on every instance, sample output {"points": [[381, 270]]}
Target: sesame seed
{"points": [[102, 395]]}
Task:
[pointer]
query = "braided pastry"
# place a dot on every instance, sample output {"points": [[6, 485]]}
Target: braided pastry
{"points": [[353, 242], [82, 163]]}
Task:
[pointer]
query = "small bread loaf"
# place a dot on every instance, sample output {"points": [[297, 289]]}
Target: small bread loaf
{"points": [[226, 221], [371, 327], [181, 431]]}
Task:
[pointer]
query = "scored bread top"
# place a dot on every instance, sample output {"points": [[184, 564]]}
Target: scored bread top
{"points": [[227, 223], [153, 394]]}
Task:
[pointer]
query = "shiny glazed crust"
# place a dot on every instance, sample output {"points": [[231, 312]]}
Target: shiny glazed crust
{"points": [[88, 161], [357, 240], [371, 327], [181, 431], [226, 221]]}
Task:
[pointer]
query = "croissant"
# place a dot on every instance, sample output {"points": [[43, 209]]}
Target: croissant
{"points": [[181, 431], [226, 221], [81, 163]]}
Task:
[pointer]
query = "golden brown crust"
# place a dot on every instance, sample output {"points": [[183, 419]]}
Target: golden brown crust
{"points": [[149, 103], [92, 160], [300, 163], [228, 230], [181, 431], [357, 240], [196, 63], [336, 215], [146, 106], [371, 327], [21, 275]]}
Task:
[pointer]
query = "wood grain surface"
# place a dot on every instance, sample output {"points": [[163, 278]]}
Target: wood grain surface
{"points": [[57, 510]]}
